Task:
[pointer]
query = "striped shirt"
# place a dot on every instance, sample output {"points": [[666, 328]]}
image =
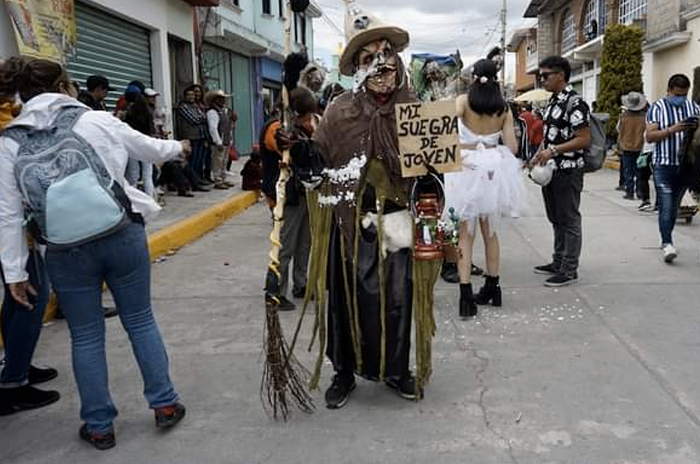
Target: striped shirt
{"points": [[665, 115]]}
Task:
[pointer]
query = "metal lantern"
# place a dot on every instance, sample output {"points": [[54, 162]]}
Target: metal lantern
{"points": [[429, 233]]}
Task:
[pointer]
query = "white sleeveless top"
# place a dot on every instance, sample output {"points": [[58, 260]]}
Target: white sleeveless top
{"points": [[468, 137]]}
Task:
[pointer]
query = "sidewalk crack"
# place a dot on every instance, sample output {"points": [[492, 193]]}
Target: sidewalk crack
{"points": [[483, 389]]}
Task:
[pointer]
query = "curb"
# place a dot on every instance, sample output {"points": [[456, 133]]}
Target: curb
{"points": [[181, 233]]}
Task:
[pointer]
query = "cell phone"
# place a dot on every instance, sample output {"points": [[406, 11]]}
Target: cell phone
{"points": [[691, 121]]}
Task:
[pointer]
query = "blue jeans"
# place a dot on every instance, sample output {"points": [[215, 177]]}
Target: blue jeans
{"points": [[122, 261], [21, 326], [629, 168], [669, 191]]}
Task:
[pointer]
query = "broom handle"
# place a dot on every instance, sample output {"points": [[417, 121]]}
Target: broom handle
{"points": [[278, 211]]}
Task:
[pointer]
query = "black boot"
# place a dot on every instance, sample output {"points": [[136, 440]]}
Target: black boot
{"points": [[490, 292], [449, 273], [467, 305]]}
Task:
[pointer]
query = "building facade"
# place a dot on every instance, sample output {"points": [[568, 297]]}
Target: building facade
{"points": [[242, 53], [576, 30], [523, 44], [234, 45], [124, 40], [672, 44]]}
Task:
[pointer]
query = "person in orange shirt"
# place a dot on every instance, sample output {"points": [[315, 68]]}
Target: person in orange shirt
{"points": [[296, 234], [536, 132]]}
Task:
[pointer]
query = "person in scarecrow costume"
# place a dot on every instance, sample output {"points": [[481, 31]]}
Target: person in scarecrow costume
{"points": [[363, 279]]}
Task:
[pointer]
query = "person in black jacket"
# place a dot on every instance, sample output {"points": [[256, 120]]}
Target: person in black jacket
{"points": [[296, 234], [97, 89]]}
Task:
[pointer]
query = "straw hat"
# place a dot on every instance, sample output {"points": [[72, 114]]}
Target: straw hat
{"points": [[213, 95], [634, 101], [362, 28]]}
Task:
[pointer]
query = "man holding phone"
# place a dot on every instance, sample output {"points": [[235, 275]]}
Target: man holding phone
{"points": [[669, 121]]}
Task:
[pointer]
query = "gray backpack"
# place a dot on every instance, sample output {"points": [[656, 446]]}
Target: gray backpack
{"points": [[594, 155], [69, 196]]}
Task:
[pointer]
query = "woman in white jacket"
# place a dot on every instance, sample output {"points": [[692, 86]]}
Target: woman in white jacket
{"points": [[119, 258]]}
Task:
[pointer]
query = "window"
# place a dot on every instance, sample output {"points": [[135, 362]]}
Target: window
{"points": [[631, 10], [267, 7], [568, 31], [605, 17], [295, 19], [595, 18], [280, 5], [302, 17]]}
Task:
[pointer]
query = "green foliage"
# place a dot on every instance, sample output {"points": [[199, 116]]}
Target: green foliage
{"points": [[621, 70]]}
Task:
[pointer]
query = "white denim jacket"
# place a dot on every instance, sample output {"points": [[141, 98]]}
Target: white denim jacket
{"points": [[113, 141]]}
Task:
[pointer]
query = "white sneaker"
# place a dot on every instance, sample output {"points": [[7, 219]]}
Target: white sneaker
{"points": [[670, 253]]}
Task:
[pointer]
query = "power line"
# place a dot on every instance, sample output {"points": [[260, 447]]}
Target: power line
{"points": [[332, 23], [488, 41]]}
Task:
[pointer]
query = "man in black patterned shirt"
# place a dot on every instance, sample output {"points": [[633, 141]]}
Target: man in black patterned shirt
{"points": [[566, 137]]}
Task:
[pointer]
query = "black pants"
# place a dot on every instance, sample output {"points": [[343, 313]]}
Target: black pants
{"points": [[643, 176], [562, 199], [629, 166], [398, 272]]}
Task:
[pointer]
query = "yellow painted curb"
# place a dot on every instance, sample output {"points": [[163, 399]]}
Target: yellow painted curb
{"points": [[181, 233]]}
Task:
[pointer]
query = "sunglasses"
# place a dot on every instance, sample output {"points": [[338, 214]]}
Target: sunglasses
{"points": [[545, 75]]}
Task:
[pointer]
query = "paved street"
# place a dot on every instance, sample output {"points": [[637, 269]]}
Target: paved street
{"points": [[603, 372]]}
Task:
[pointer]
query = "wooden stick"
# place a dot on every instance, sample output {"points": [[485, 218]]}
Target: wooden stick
{"points": [[284, 378]]}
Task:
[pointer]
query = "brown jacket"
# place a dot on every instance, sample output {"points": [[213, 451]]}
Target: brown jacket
{"points": [[631, 131]]}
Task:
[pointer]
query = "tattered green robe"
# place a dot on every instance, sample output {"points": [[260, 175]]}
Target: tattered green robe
{"points": [[371, 301]]}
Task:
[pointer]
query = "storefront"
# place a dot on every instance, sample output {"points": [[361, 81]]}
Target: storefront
{"points": [[110, 46], [127, 40], [231, 72]]}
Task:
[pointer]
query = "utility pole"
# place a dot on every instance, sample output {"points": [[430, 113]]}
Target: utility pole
{"points": [[503, 42]]}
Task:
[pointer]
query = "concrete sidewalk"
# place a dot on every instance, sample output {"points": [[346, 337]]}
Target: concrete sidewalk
{"points": [[603, 372]]}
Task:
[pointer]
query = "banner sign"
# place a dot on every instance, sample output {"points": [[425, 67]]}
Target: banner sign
{"points": [[44, 28], [428, 136]]}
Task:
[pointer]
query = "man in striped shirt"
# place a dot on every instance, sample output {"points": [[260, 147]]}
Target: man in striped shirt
{"points": [[669, 121]]}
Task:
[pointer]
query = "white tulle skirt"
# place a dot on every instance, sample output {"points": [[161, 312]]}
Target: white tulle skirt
{"points": [[489, 186]]}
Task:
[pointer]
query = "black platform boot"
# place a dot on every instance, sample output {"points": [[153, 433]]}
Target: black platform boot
{"points": [[467, 305], [490, 292]]}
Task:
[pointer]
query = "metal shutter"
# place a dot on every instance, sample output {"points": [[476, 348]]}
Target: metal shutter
{"points": [[112, 47]]}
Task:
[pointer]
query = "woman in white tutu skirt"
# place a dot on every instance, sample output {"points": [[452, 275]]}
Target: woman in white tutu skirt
{"points": [[490, 184]]}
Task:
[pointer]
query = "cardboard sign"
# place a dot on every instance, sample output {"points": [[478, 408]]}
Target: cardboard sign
{"points": [[428, 136]]}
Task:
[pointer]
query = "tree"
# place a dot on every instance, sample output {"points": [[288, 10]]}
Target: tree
{"points": [[621, 70]]}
